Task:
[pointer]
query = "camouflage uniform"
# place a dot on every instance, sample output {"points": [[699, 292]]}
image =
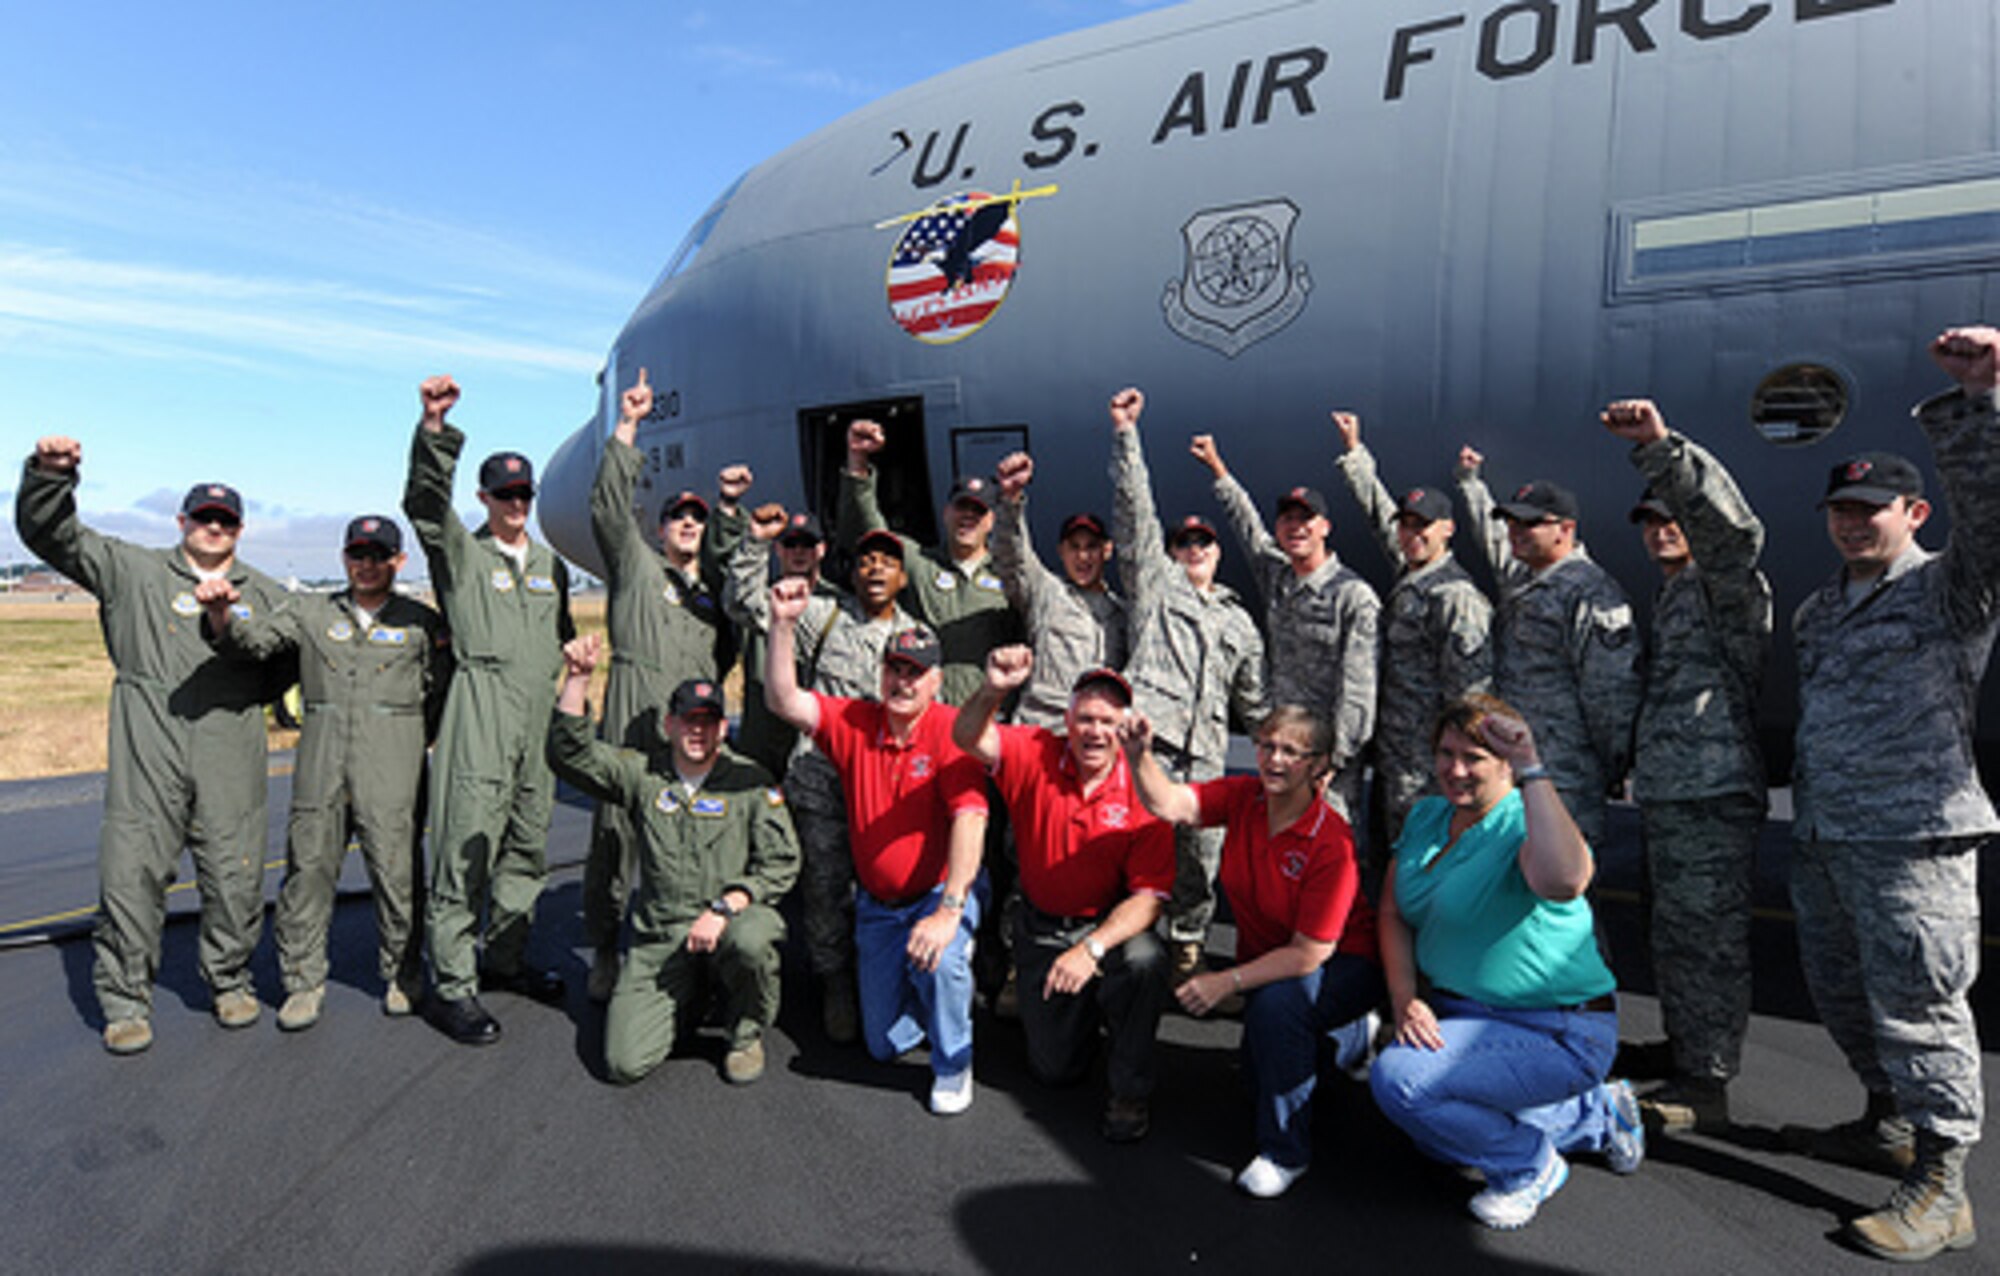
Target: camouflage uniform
{"points": [[1566, 654], [1888, 805], [664, 628], [186, 754], [1072, 630], [372, 692], [965, 603], [1322, 641], [494, 792], [1196, 662], [838, 649], [1436, 647], [1696, 770]]}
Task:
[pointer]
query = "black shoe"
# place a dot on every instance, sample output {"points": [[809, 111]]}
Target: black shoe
{"points": [[1645, 1060], [545, 986], [1125, 1120], [462, 1019]]}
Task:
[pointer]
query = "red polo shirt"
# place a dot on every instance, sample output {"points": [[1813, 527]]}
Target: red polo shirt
{"points": [[1080, 856], [900, 797], [1301, 881]]}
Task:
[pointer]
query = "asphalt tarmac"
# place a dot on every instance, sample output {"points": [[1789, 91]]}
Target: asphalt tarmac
{"points": [[370, 1144]]}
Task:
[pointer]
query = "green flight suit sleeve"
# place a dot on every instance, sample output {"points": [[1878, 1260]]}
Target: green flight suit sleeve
{"points": [[726, 527], [45, 516], [427, 503], [613, 524], [438, 667], [774, 846], [262, 636], [603, 771]]}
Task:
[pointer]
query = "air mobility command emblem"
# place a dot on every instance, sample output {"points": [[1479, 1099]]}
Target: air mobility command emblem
{"points": [[339, 631], [185, 605], [1238, 281], [503, 581]]}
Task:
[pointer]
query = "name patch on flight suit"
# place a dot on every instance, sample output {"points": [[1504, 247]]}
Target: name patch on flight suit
{"points": [[667, 802], [240, 611], [185, 605], [389, 637], [710, 807], [340, 631], [541, 584], [988, 581], [503, 580]]}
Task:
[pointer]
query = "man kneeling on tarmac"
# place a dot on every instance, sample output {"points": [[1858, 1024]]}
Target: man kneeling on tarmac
{"points": [[715, 852]]}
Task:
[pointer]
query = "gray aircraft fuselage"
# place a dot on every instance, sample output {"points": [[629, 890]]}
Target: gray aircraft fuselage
{"points": [[1469, 221]]}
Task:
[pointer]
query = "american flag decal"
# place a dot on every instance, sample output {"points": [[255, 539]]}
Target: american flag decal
{"points": [[954, 262]]}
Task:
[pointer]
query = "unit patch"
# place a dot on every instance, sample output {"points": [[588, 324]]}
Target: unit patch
{"points": [[185, 605], [667, 802], [1238, 283], [503, 580], [340, 631]]}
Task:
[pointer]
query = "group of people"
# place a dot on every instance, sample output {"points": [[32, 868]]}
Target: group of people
{"points": [[964, 742]]}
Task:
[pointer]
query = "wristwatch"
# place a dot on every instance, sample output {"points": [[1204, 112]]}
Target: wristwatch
{"points": [[1094, 948], [720, 907], [956, 903]]}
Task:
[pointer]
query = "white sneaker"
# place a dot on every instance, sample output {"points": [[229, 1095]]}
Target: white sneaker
{"points": [[1264, 1178], [1508, 1210], [1627, 1147], [953, 1094]]}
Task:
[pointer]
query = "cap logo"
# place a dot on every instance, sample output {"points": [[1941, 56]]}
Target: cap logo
{"points": [[513, 464], [798, 520], [1299, 493], [975, 485], [703, 690], [369, 525], [214, 491], [1526, 488], [1858, 470], [1192, 520], [1416, 494]]}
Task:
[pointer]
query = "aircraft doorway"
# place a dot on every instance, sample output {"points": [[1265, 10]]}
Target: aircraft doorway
{"points": [[902, 467]]}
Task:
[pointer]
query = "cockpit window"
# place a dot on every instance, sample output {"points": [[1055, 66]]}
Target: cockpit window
{"points": [[691, 246]]}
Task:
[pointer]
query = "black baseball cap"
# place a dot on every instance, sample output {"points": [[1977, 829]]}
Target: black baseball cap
{"points": [[1426, 503], [1538, 502], [213, 496], [804, 526], [1874, 478], [975, 489], [1084, 521], [1190, 525], [1651, 506], [917, 645], [1305, 498], [1106, 678], [696, 695], [373, 529], [505, 470], [886, 541]]}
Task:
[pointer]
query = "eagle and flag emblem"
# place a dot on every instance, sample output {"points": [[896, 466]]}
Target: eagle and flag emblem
{"points": [[954, 262]]}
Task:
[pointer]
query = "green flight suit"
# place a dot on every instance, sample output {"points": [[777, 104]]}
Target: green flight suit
{"points": [[966, 603], [664, 629], [731, 832], [187, 750], [371, 692], [494, 794]]}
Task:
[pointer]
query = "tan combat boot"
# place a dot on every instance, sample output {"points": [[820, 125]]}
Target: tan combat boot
{"points": [[745, 1063], [128, 1036], [1880, 1139], [301, 1009], [1928, 1212], [236, 1008], [1699, 1104]]}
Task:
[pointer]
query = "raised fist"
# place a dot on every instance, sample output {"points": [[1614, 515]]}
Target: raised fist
{"points": [[788, 599], [1126, 405], [733, 482], [1008, 667], [1016, 471], [1349, 426], [1508, 737], [58, 454], [1967, 356], [865, 437], [767, 522], [580, 655], [1202, 448], [636, 404], [1135, 732], [1636, 421], [1469, 461], [438, 394], [216, 593]]}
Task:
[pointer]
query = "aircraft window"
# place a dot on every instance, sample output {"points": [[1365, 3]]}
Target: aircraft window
{"points": [[1897, 227], [691, 246], [1800, 403]]}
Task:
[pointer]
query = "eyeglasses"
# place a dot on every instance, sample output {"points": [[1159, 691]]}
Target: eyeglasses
{"points": [[1283, 752], [523, 494]]}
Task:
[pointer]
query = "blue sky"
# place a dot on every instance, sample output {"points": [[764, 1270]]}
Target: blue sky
{"points": [[234, 237]]}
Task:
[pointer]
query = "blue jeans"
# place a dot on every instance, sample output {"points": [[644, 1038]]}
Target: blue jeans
{"points": [[900, 1005], [1509, 1087], [1284, 1024]]}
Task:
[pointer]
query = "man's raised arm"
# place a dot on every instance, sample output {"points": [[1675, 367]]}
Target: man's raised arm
{"points": [[974, 732], [782, 694]]}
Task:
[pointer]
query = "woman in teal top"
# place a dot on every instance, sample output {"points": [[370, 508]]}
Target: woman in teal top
{"points": [[1505, 1019]]}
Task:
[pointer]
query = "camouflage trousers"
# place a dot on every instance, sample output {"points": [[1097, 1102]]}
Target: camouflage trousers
{"points": [[826, 872], [1197, 857], [1889, 937], [1699, 859]]}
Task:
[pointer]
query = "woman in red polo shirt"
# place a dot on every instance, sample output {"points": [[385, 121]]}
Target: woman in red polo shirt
{"points": [[1305, 936]]}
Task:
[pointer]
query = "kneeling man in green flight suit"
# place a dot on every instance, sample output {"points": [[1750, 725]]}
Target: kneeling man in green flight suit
{"points": [[716, 851]]}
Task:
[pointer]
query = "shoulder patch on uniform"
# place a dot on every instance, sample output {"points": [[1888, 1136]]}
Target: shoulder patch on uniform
{"points": [[1613, 624], [672, 594], [185, 605], [710, 807], [503, 580], [388, 637], [946, 580], [541, 584], [774, 797]]}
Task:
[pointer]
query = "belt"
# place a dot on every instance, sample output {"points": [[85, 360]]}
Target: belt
{"points": [[1054, 922], [1606, 1004]]}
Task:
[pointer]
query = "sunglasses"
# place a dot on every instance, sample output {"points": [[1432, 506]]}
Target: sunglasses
{"points": [[513, 494], [1199, 540], [368, 554], [220, 519], [695, 512]]}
